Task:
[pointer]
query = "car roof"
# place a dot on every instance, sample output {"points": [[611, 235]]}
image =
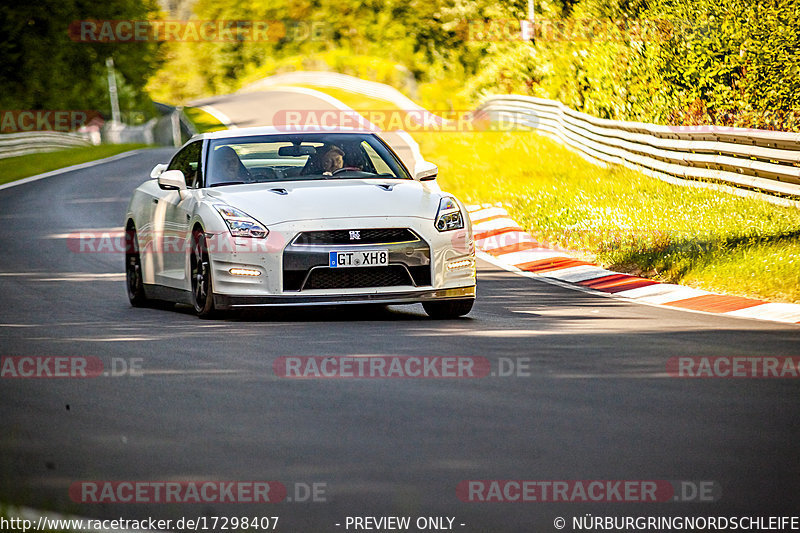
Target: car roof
{"points": [[278, 130]]}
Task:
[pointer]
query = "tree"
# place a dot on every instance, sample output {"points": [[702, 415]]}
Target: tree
{"points": [[43, 68]]}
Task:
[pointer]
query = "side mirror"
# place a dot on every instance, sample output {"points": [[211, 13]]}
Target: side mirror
{"points": [[172, 180], [158, 170], [425, 171]]}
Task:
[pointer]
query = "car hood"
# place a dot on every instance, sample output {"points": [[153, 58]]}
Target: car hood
{"points": [[278, 202]]}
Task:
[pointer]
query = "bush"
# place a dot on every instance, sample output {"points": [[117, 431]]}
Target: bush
{"points": [[681, 62]]}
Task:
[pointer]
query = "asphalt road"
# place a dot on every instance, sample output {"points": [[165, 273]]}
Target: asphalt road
{"points": [[598, 403], [274, 107]]}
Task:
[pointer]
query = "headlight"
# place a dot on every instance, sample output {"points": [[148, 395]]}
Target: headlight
{"points": [[240, 223], [449, 215]]}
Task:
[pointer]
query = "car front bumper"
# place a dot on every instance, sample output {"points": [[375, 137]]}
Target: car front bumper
{"points": [[223, 301], [435, 263]]}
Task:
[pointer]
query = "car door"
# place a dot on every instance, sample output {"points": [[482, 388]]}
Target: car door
{"points": [[173, 213]]}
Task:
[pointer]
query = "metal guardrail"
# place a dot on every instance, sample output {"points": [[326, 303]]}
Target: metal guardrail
{"points": [[763, 160], [13, 144], [171, 128], [755, 159]]}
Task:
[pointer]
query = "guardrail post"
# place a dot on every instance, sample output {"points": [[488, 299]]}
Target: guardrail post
{"points": [[176, 126]]}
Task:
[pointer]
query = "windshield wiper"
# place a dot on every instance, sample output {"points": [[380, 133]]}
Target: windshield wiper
{"points": [[226, 183]]}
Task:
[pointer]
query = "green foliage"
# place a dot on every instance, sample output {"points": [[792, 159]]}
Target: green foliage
{"points": [[735, 63], [42, 68], [683, 62], [393, 41]]}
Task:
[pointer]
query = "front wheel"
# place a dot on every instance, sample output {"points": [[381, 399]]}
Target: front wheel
{"points": [[202, 295], [133, 269], [448, 308]]}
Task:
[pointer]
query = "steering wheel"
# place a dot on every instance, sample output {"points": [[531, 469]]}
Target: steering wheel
{"points": [[344, 169]]}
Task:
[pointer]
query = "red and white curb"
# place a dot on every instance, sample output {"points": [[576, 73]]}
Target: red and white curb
{"points": [[507, 245]]}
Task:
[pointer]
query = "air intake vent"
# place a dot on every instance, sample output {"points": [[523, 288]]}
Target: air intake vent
{"points": [[352, 278]]}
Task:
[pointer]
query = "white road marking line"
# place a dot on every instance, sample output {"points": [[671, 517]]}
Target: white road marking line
{"points": [[580, 273], [651, 290], [498, 223], [676, 293], [219, 115], [484, 213]]}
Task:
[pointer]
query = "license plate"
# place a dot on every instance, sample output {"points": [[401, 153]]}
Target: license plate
{"points": [[360, 258]]}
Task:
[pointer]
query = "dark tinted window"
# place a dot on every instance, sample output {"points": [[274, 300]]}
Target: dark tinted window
{"points": [[188, 162], [299, 156]]}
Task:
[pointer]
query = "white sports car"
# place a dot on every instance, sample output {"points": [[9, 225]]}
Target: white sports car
{"points": [[266, 216]]}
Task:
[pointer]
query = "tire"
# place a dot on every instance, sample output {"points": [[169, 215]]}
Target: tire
{"points": [[202, 284], [448, 308], [133, 269]]}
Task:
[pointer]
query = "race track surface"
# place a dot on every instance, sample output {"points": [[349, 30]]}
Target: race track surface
{"points": [[598, 403]]}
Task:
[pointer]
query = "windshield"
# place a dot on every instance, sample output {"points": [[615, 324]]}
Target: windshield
{"points": [[306, 156]]}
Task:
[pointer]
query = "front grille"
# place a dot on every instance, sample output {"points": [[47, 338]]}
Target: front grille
{"points": [[353, 278], [366, 236]]}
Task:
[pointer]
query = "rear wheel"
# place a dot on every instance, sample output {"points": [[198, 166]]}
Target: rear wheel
{"points": [[448, 308], [202, 285], [133, 269]]}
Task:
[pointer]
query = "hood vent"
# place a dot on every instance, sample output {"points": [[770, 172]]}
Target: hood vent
{"points": [[282, 192], [385, 186]]}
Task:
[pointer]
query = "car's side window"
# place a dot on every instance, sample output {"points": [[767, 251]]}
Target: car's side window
{"points": [[188, 162]]}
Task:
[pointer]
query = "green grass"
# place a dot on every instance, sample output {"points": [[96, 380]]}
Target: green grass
{"points": [[14, 168], [625, 220], [203, 121], [620, 218], [769, 270]]}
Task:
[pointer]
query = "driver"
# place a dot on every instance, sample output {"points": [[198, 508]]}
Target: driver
{"points": [[332, 160], [228, 166]]}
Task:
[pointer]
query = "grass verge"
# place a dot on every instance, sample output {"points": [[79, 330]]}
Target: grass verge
{"points": [[14, 168], [202, 120], [622, 219]]}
